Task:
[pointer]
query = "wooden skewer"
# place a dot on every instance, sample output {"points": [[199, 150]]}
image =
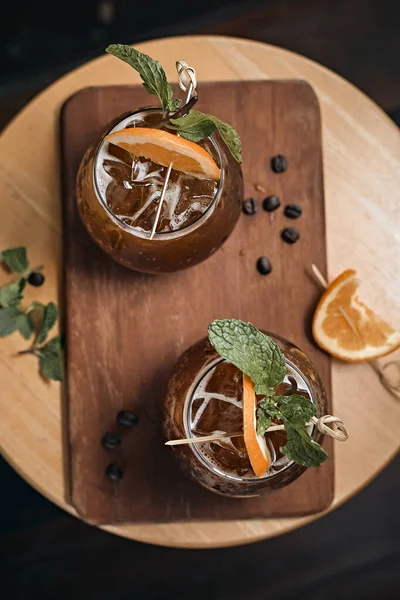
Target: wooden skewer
{"points": [[340, 434], [161, 201], [187, 82]]}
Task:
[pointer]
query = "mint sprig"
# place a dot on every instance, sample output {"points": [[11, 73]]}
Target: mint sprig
{"points": [[49, 318], [38, 318], [12, 293], [151, 72], [250, 350], [15, 259], [197, 126], [259, 356], [50, 359]]}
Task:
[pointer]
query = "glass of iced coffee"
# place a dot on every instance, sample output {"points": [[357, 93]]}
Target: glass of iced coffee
{"points": [[254, 436], [152, 198]]}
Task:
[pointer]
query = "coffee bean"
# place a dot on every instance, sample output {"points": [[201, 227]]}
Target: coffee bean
{"points": [[279, 163], [114, 472], [36, 279], [250, 207], [292, 211], [127, 418], [290, 235], [264, 267], [271, 203], [111, 440]]}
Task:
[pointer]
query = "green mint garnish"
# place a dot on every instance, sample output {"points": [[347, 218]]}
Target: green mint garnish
{"points": [[197, 126], [14, 318], [296, 411], [250, 350], [12, 293], [259, 356], [50, 315], [50, 360], [152, 74], [263, 421], [266, 411], [25, 325], [15, 259], [9, 320]]}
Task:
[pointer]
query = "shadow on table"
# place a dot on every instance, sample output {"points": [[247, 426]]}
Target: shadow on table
{"points": [[352, 553]]}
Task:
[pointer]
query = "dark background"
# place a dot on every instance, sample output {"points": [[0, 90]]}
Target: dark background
{"points": [[353, 552]]}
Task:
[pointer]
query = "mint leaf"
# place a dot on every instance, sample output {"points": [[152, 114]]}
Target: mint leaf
{"points": [[15, 259], [175, 104], [296, 411], [11, 294], [250, 350], [267, 410], [51, 360], [296, 408], [301, 448], [196, 126], [25, 325], [263, 421], [8, 320], [50, 314], [152, 74]]}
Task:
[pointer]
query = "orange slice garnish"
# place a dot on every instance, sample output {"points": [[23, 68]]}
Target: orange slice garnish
{"points": [[347, 328], [256, 446], [164, 148]]}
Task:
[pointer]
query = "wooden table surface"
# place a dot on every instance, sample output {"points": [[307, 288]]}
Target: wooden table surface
{"points": [[362, 165]]}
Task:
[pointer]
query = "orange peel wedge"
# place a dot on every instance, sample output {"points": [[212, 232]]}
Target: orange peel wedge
{"points": [[166, 149], [348, 329], [256, 446]]}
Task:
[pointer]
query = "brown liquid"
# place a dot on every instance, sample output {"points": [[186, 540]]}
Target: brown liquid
{"points": [[223, 413], [133, 187]]}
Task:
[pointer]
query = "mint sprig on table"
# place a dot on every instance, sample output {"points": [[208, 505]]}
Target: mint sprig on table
{"points": [[36, 320], [259, 357], [195, 126]]}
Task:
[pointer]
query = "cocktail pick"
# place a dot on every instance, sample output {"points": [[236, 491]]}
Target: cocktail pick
{"points": [[340, 432], [393, 388], [187, 82]]}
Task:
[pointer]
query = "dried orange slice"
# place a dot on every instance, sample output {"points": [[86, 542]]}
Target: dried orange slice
{"points": [[347, 328], [165, 148], [256, 446]]}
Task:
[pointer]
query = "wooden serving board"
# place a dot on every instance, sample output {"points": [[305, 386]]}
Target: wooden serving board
{"points": [[125, 330]]}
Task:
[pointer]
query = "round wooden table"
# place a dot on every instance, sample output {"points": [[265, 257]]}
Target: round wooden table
{"points": [[361, 164]]}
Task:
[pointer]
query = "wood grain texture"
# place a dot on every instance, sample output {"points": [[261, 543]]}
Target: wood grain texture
{"points": [[125, 330], [361, 149]]}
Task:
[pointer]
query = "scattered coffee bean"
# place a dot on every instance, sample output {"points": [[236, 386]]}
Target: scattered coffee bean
{"points": [[279, 163], [111, 440], [271, 203], [114, 472], [290, 235], [250, 207], [36, 279], [264, 266], [127, 418], [292, 211]]}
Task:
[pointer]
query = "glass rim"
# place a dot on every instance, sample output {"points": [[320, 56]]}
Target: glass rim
{"points": [[137, 231], [195, 447]]}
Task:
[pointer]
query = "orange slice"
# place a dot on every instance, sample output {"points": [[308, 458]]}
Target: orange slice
{"points": [[347, 328], [256, 446], [164, 148]]}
